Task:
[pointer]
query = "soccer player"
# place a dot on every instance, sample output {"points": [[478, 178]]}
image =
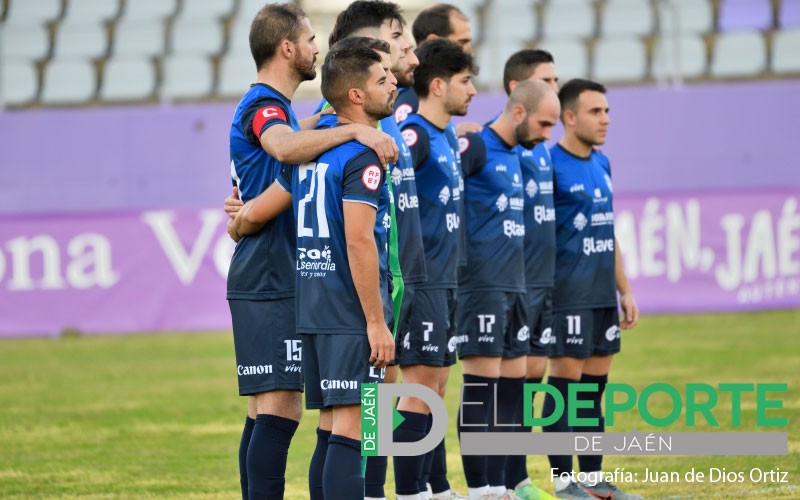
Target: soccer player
{"points": [[264, 137], [340, 205], [443, 80], [540, 249], [586, 325], [383, 21], [492, 309]]}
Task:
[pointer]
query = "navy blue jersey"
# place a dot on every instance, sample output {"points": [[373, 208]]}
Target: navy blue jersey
{"points": [[263, 263], [439, 193], [584, 231], [540, 216], [407, 104], [326, 295], [406, 202], [493, 220]]}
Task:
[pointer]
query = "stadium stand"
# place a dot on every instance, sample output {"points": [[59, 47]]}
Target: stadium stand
{"points": [[145, 50]]}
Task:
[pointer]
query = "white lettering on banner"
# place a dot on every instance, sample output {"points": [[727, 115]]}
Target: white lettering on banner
{"points": [[89, 265], [186, 264], [675, 234]]}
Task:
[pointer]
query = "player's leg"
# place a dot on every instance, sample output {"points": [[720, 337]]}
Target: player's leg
{"points": [[314, 402], [342, 477], [375, 475], [244, 444], [509, 391], [482, 319], [268, 355], [422, 354], [568, 349]]}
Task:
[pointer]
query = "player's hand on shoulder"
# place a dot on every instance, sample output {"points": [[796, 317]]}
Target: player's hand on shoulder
{"points": [[381, 345], [630, 311], [380, 142], [465, 128], [233, 204]]}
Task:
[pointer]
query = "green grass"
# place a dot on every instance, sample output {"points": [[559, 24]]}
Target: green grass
{"points": [[158, 416]]}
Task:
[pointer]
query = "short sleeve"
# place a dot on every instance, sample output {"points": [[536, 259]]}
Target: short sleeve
{"points": [[473, 153], [261, 114], [418, 142], [363, 178], [285, 179]]}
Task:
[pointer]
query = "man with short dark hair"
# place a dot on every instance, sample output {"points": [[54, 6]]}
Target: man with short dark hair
{"points": [[265, 137], [340, 205], [427, 344], [588, 275]]}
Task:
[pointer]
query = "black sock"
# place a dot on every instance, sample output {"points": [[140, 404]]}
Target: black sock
{"points": [[408, 470], [475, 465], [317, 465], [266, 456], [517, 465], [438, 477], [508, 400], [592, 463], [247, 432], [559, 463], [375, 477], [342, 479], [426, 464]]}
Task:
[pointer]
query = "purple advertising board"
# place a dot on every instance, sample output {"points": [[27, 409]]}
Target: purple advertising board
{"points": [[164, 270]]}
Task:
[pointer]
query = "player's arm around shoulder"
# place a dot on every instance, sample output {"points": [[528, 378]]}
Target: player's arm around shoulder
{"points": [[261, 209], [361, 191]]}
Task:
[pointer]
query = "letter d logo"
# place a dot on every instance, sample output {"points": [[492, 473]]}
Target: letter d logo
{"points": [[379, 419]]}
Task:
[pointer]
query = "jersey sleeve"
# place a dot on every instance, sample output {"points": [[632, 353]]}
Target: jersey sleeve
{"points": [[418, 142], [473, 153], [261, 115], [285, 179], [363, 178]]}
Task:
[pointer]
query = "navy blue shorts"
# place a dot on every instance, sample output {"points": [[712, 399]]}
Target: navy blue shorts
{"points": [[585, 333], [494, 323], [335, 366], [268, 349], [540, 319], [428, 334]]}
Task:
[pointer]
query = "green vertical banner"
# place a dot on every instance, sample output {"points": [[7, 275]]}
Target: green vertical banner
{"points": [[369, 420]]}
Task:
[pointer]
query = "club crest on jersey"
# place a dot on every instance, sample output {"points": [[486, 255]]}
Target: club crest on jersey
{"points": [[463, 144], [397, 176], [502, 203], [402, 112], [410, 136], [531, 188], [444, 195], [580, 221], [371, 177]]}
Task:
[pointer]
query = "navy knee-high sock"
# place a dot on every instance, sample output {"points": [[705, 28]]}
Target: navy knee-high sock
{"points": [[317, 465], [508, 402], [559, 463], [375, 478], [517, 465], [592, 463], [408, 470], [342, 479], [475, 465], [426, 464], [244, 444], [266, 456], [438, 476]]}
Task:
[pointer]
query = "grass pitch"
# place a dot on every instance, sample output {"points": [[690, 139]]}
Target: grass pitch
{"points": [[158, 416]]}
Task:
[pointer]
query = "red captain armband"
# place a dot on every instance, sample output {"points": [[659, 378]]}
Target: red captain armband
{"points": [[267, 114]]}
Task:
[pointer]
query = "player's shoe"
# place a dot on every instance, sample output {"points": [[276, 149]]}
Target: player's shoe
{"points": [[532, 492], [448, 495], [574, 492], [606, 490]]}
